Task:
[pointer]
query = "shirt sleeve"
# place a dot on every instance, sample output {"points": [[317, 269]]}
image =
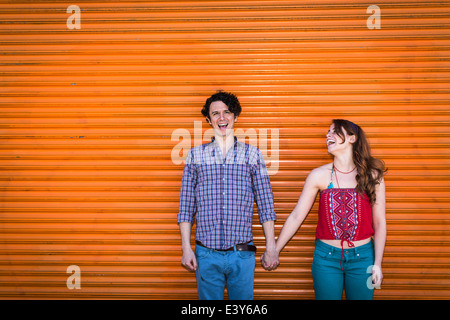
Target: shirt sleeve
{"points": [[188, 203], [262, 189]]}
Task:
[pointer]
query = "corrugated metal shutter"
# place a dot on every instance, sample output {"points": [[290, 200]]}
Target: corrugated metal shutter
{"points": [[89, 121]]}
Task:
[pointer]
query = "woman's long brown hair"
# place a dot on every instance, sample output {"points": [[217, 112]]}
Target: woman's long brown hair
{"points": [[370, 170]]}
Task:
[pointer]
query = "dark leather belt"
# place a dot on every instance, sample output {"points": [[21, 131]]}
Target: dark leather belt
{"points": [[239, 247]]}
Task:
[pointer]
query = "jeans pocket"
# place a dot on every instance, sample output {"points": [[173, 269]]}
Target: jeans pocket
{"points": [[365, 257], [246, 254], [201, 252], [320, 254]]}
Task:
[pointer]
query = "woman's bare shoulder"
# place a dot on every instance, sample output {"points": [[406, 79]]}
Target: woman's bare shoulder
{"points": [[320, 176], [322, 170]]}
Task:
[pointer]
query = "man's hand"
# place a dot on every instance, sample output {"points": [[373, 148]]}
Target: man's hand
{"points": [[269, 260], [188, 260]]}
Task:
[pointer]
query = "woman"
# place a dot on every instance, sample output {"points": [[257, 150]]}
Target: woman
{"points": [[351, 212]]}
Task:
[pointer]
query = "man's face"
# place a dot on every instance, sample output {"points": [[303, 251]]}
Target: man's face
{"points": [[221, 119]]}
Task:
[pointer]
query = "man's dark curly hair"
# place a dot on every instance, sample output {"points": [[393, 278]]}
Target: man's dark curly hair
{"points": [[226, 97]]}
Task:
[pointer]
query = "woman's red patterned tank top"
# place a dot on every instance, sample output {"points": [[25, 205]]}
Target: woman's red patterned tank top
{"points": [[344, 214]]}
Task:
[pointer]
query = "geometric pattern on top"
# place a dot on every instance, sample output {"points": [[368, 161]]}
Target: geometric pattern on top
{"points": [[344, 213]]}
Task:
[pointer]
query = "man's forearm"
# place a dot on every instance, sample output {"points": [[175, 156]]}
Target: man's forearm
{"points": [[185, 229], [269, 233], [269, 259]]}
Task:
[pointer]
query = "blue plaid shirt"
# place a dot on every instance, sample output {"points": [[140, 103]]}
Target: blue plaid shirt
{"points": [[221, 193]]}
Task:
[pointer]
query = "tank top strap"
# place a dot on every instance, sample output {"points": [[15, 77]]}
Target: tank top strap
{"points": [[330, 186]]}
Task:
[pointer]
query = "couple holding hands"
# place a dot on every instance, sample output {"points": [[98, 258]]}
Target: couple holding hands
{"points": [[223, 178]]}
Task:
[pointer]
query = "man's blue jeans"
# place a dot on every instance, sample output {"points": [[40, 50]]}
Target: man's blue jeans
{"points": [[215, 269], [329, 279]]}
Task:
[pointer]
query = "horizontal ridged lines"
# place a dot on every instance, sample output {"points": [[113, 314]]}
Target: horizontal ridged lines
{"points": [[87, 116]]}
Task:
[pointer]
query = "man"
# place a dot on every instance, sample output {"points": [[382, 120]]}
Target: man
{"points": [[221, 180]]}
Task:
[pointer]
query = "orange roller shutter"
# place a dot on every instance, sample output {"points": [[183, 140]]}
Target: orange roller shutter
{"points": [[95, 121]]}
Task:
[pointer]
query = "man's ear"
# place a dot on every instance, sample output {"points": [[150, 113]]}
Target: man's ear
{"points": [[209, 121]]}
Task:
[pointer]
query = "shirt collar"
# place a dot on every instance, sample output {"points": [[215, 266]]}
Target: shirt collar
{"points": [[213, 140], [215, 147]]}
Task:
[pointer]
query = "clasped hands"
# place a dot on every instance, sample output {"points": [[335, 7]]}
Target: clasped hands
{"points": [[269, 259]]}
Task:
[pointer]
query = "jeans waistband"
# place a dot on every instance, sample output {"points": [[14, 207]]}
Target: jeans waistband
{"points": [[322, 246], [329, 248]]}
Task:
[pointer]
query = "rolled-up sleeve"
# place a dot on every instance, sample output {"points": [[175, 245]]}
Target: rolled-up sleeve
{"points": [[262, 189], [188, 203]]}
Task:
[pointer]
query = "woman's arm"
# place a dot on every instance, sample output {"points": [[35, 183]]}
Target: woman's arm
{"points": [[379, 226], [301, 210]]}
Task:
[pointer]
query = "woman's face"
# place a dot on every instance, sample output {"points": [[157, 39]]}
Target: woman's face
{"points": [[336, 143]]}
